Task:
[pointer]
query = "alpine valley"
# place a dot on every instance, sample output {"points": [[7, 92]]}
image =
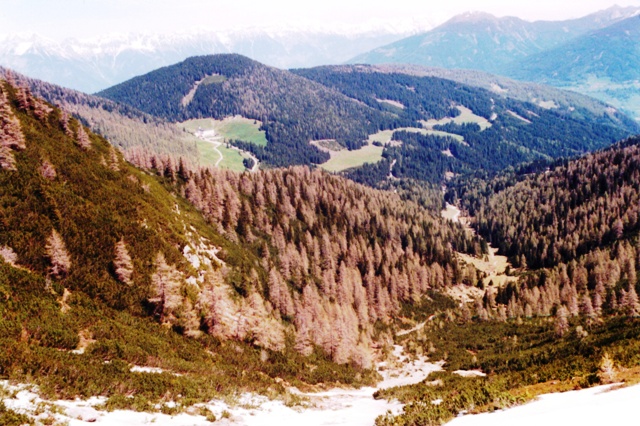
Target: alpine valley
{"points": [[220, 241]]}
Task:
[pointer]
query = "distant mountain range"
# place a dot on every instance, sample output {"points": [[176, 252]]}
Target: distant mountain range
{"points": [[93, 65], [483, 42], [604, 64], [596, 55]]}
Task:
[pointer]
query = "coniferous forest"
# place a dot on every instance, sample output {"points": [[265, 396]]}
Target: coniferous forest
{"points": [[117, 250]]}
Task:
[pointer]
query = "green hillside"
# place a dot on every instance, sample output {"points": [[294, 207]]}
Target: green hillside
{"points": [[303, 110], [224, 281], [483, 130], [293, 110]]}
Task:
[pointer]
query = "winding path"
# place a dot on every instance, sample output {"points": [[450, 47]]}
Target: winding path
{"points": [[214, 139]]}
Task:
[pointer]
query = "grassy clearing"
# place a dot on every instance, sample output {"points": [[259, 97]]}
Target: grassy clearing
{"points": [[382, 136], [466, 116], [214, 79], [240, 128], [231, 158], [492, 265], [208, 155], [385, 136], [231, 128], [344, 159], [192, 126]]}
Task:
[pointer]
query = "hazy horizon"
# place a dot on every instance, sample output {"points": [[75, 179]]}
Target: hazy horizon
{"points": [[85, 19]]}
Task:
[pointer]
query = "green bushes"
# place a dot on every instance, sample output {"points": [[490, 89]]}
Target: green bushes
{"points": [[521, 359], [11, 418]]}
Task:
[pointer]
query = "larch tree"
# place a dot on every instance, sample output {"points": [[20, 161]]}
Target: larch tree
{"points": [[165, 289], [47, 170], [122, 263], [8, 255], [561, 323], [11, 136], [58, 255], [82, 138]]}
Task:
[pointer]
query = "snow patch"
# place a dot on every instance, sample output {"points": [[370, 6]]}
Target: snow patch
{"points": [[332, 407], [595, 406], [139, 369], [469, 373]]}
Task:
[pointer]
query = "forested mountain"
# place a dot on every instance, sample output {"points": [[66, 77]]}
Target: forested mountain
{"points": [[484, 42], [347, 104], [578, 219], [134, 132], [504, 131], [96, 254], [535, 93], [293, 110], [604, 64]]}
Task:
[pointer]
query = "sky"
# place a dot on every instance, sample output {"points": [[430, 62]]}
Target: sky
{"points": [[60, 19]]}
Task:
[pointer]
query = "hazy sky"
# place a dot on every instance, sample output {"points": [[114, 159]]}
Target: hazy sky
{"points": [[58, 19]]}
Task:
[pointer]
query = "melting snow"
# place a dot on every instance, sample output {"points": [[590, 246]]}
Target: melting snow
{"points": [[587, 407], [333, 407]]}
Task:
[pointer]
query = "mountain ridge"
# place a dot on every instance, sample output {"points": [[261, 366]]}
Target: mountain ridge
{"points": [[487, 43], [95, 64]]}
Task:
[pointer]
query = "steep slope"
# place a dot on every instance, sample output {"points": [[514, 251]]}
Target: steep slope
{"points": [[486, 131], [603, 64], [575, 224], [483, 42], [571, 325], [581, 206], [93, 65], [104, 266], [134, 132]]}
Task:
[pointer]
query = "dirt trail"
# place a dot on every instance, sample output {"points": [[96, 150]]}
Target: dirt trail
{"points": [[214, 139]]}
